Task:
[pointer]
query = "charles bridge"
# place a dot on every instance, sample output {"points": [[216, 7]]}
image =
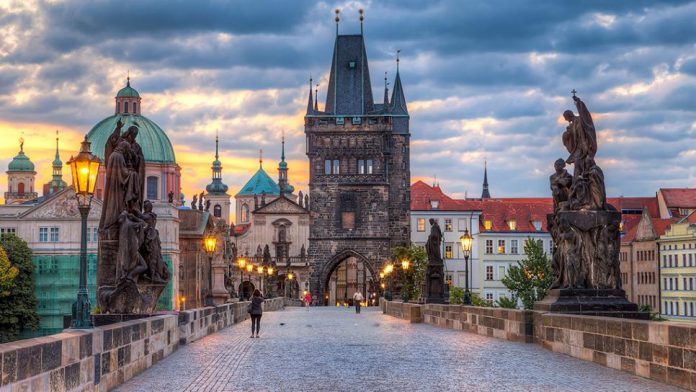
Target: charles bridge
{"points": [[400, 346]]}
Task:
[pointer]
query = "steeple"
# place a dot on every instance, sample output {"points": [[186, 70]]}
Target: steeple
{"points": [[216, 187], [398, 100], [386, 93], [485, 194], [310, 103], [349, 91], [316, 98], [57, 183], [283, 171]]}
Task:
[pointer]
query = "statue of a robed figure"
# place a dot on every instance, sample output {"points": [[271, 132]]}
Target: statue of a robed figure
{"points": [[435, 273], [585, 230], [131, 273]]}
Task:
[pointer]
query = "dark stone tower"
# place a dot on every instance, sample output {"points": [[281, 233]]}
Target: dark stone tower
{"points": [[359, 183], [485, 194]]}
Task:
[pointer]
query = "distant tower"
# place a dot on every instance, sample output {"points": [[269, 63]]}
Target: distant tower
{"points": [[57, 184], [20, 178], [485, 194], [217, 190], [285, 188], [359, 175]]}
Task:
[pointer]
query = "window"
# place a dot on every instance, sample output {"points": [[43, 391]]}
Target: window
{"points": [[489, 272], [217, 211], [245, 213], [327, 166], [92, 234], [8, 230], [501, 272], [463, 224], [513, 247], [501, 246], [152, 187], [20, 187], [356, 120], [43, 234], [512, 224], [55, 234], [336, 167], [368, 168], [125, 105], [421, 224], [434, 204], [489, 247], [537, 225], [489, 297], [448, 251], [361, 166], [487, 224], [348, 220], [448, 224], [340, 120]]}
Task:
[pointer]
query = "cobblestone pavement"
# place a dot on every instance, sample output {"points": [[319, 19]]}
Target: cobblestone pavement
{"points": [[333, 349]]}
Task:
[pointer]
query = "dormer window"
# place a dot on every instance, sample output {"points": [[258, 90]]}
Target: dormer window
{"points": [[537, 225], [434, 204], [512, 224], [487, 224]]}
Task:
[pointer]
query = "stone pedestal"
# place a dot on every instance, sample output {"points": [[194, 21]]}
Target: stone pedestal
{"points": [[435, 283], [220, 294], [590, 302]]}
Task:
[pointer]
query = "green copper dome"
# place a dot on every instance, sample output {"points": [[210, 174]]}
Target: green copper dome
{"points": [[155, 144], [128, 91], [259, 184], [21, 163]]}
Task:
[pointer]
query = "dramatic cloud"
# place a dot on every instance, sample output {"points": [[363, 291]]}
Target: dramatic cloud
{"points": [[484, 81]]}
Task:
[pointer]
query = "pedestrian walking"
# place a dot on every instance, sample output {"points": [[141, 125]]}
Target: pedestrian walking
{"points": [[256, 310], [307, 299], [357, 300]]}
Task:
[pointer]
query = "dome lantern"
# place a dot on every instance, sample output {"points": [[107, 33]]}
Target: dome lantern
{"points": [[127, 100]]}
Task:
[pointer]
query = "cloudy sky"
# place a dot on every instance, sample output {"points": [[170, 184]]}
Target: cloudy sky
{"points": [[484, 80]]}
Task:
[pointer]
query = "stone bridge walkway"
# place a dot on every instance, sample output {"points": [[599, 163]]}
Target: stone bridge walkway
{"points": [[333, 349]]}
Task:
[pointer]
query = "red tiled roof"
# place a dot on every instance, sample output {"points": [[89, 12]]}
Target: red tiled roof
{"points": [[422, 194], [659, 225], [679, 197], [523, 213], [630, 227], [635, 203]]}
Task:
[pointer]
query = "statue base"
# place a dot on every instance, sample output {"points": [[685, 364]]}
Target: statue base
{"points": [[435, 283], [590, 302], [130, 298]]}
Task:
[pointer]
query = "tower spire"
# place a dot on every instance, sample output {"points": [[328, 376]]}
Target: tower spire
{"points": [[386, 93], [283, 170], [310, 104], [128, 79], [398, 100], [362, 17], [217, 142], [485, 194], [316, 97], [260, 158]]}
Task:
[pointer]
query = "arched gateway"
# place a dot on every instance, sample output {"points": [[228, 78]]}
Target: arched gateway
{"points": [[346, 273]]}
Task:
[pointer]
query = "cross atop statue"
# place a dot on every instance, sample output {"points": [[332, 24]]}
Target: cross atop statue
{"points": [[573, 92]]}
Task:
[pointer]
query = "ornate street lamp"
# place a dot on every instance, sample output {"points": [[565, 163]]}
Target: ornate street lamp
{"points": [[241, 262], [465, 241], [405, 263], [210, 243], [84, 168]]}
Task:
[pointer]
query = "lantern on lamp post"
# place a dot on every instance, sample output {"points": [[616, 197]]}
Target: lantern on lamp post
{"points": [[465, 241], [84, 168], [241, 262], [210, 243]]}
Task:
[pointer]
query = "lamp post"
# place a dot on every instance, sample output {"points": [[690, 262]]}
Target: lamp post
{"points": [[241, 262], [209, 244], [465, 241], [250, 269], [84, 168]]}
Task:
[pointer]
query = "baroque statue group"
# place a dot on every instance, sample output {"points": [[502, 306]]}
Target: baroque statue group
{"points": [[131, 273]]}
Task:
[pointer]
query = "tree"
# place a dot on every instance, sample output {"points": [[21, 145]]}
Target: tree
{"points": [[18, 308], [8, 273], [531, 278], [412, 279]]}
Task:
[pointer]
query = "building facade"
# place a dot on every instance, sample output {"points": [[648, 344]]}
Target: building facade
{"points": [[678, 269], [359, 176], [20, 179]]}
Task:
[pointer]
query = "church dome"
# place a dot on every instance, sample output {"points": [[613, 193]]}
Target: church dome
{"points": [[128, 91], [155, 144], [21, 163]]}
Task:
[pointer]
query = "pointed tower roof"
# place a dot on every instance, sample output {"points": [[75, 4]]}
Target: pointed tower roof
{"points": [[56, 160], [398, 100], [349, 91], [485, 194], [310, 103], [260, 183], [386, 94], [217, 187]]}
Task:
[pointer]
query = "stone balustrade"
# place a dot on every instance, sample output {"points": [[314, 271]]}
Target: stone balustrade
{"points": [[102, 358], [662, 351]]}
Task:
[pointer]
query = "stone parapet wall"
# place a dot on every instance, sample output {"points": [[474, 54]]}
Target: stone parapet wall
{"points": [[662, 351], [102, 358]]}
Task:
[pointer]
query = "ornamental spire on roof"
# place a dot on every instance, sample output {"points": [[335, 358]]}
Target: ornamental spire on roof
{"points": [[485, 194], [260, 158], [217, 155], [310, 103], [386, 93], [283, 171], [398, 100], [217, 187]]}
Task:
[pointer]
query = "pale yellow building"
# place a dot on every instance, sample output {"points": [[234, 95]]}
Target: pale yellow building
{"points": [[678, 270]]}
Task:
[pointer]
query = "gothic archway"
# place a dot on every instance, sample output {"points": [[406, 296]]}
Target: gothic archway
{"points": [[346, 273]]}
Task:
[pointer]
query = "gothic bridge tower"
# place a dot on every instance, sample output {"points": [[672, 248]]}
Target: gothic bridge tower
{"points": [[359, 176]]}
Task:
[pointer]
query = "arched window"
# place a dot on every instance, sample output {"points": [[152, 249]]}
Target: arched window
{"points": [[245, 213], [282, 234], [135, 107], [20, 187], [152, 187], [217, 211], [118, 107], [125, 106]]}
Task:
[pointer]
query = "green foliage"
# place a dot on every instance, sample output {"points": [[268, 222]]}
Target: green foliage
{"points": [[507, 303], [456, 295], [18, 309], [8, 273], [531, 278], [413, 279], [476, 300]]}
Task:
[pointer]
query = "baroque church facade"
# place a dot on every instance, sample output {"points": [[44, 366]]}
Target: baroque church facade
{"points": [[359, 177]]}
